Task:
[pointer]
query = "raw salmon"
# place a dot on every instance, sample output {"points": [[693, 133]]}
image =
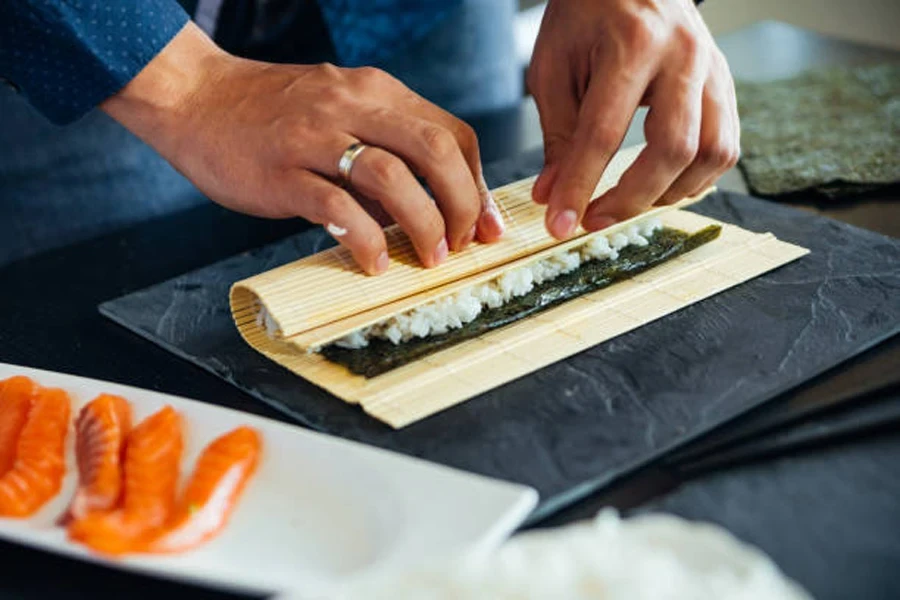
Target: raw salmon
{"points": [[100, 431], [16, 396], [152, 455], [39, 466], [220, 476]]}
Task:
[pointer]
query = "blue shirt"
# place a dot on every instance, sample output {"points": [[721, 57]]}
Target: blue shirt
{"points": [[67, 56], [369, 31]]}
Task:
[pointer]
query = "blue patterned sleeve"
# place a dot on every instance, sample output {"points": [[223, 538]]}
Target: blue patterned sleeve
{"points": [[68, 56]]}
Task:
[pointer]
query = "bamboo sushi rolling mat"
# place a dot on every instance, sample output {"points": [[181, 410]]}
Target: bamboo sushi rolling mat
{"points": [[322, 297]]}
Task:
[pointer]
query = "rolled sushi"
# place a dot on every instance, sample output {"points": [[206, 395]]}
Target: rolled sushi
{"points": [[511, 296]]}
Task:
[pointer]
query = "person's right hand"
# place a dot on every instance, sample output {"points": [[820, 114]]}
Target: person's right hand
{"points": [[265, 139]]}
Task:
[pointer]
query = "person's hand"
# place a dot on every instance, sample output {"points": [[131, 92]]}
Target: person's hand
{"points": [[266, 139], [595, 62]]}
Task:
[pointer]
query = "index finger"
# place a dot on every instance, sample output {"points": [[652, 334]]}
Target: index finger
{"points": [[606, 112], [433, 152], [672, 129], [490, 223]]}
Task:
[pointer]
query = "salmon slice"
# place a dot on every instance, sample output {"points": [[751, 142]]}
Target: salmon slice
{"points": [[100, 431], [16, 396], [219, 478], [152, 455], [37, 472]]}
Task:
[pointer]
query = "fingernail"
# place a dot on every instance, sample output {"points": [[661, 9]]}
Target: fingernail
{"points": [[440, 253], [493, 212], [382, 262], [563, 224], [600, 222]]}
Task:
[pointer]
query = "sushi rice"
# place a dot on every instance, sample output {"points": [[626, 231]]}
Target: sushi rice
{"points": [[454, 311]]}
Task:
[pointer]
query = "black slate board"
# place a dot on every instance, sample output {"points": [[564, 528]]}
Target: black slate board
{"points": [[824, 429], [579, 424], [868, 377]]}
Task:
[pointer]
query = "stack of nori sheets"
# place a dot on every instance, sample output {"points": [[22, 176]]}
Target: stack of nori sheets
{"points": [[834, 132]]}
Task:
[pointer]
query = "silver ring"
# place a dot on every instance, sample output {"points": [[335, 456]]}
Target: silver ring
{"points": [[345, 164]]}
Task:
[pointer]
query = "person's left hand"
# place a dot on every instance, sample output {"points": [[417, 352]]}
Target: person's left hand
{"points": [[595, 62]]}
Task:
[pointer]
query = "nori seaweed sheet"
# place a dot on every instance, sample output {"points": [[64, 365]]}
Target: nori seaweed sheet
{"points": [[381, 356], [832, 132]]}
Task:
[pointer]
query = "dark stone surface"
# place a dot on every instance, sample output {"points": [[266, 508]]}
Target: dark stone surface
{"points": [[579, 424], [851, 421], [869, 377]]}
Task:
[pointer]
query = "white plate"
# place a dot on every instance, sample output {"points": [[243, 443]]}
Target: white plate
{"points": [[319, 509]]}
